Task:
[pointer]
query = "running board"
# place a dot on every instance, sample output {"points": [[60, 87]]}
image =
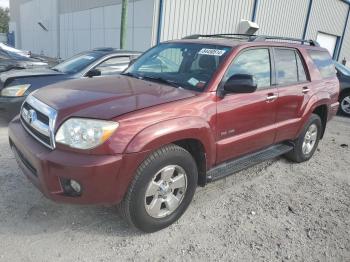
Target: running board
{"points": [[234, 166]]}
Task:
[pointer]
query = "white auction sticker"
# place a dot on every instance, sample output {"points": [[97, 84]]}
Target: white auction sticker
{"points": [[213, 52], [193, 81]]}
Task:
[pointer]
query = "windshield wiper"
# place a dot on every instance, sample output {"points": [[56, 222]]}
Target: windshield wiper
{"points": [[162, 80], [55, 69]]}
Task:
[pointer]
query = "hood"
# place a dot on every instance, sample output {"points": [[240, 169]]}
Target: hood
{"points": [[106, 98], [26, 73]]}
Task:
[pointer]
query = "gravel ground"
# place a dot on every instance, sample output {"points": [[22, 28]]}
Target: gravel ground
{"points": [[276, 211]]}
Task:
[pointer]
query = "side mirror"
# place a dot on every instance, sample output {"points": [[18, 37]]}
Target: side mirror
{"points": [[240, 83], [93, 72]]}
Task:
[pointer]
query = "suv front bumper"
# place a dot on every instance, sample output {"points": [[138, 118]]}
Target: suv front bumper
{"points": [[98, 175]]}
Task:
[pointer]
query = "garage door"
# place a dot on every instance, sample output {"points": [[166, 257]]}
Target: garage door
{"points": [[327, 41]]}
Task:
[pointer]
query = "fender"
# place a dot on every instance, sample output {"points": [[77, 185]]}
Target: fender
{"points": [[169, 131], [319, 99]]}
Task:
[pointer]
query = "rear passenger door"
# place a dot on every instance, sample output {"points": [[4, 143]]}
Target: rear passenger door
{"points": [[246, 122], [293, 83]]}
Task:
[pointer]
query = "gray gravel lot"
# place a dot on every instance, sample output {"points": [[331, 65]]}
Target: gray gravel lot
{"points": [[276, 211]]}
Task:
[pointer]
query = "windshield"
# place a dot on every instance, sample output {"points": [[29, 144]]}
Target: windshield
{"points": [[343, 69], [77, 63], [186, 65]]}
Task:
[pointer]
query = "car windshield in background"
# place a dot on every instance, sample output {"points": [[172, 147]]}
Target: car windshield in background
{"points": [[77, 63], [343, 69], [11, 55], [190, 66]]}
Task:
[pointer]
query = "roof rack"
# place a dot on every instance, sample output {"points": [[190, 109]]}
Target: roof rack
{"points": [[253, 38], [230, 36], [302, 41]]}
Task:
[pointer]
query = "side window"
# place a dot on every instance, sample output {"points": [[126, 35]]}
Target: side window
{"points": [[286, 66], [114, 65], [254, 62], [301, 69], [323, 62]]}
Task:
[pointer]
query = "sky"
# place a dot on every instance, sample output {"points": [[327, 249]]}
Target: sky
{"points": [[4, 3]]}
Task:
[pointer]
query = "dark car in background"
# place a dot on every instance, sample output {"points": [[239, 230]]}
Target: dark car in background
{"points": [[11, 60], [343, 74], [16, 85]]}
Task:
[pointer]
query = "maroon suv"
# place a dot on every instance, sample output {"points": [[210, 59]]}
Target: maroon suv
{"points": [[186, 113]]}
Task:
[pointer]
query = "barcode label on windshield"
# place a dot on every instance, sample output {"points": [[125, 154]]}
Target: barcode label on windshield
{"points": [[213, 52]]}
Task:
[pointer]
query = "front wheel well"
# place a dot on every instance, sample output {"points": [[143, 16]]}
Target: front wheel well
{"points": [[322, 112], [197, 150]]}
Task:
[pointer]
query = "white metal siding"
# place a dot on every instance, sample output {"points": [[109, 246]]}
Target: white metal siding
{"points": [[282, 17], [33, 37], [100, 27], [328, 17], [68, 6], [186, 17]]}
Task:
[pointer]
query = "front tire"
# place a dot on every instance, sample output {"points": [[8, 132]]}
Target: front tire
{"points": [[306, 144], [162, 189]]}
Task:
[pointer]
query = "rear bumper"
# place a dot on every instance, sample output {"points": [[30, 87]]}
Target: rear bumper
{"points": [[100, 176], [10, 106]]}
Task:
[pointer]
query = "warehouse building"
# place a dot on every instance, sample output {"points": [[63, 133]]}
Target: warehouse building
{"points": [[62, 28]]}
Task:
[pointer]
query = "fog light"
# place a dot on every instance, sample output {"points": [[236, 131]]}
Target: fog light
{"points": [[75, 186], [71, 187]]}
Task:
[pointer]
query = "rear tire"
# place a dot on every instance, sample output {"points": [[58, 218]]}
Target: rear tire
{"points": [[162, 189], [306, 144], [344, 107]]}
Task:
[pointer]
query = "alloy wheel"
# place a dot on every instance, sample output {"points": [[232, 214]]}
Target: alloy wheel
{"points": [[345, 105], [166, 191], [310, 139]]}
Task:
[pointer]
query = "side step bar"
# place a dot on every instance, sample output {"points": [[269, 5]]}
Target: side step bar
{"points": [[239, 164]]}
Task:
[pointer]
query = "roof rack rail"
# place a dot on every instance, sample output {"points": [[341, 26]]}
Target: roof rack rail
{"points": [[253, 38], [267, 37], [197, 36]]}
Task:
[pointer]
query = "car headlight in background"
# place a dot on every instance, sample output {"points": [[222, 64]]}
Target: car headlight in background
{"points": [[15, 91], [84, 133]]}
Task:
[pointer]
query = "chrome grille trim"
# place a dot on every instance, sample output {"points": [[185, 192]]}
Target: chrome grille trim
{"points": [[36, 124]]}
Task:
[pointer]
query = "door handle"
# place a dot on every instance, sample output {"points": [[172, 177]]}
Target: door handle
{"points": [[306, 90], [271, 97]]}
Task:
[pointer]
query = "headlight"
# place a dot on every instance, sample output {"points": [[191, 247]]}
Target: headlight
{"points": [[13, 91], [84, 133]]}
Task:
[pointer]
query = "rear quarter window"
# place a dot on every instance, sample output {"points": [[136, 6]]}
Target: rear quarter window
{"points": [[323, 62]]}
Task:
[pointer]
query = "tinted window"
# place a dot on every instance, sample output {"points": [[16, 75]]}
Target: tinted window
{"points": [[301, 69], [323, 62], [114, 65], [286, 66], [254, 62]]}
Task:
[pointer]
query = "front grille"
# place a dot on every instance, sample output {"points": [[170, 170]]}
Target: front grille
{"points": [[42, 117], [42, 137], [39, 120]]}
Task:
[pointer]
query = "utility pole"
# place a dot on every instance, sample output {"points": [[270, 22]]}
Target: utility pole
{"points": [[124, 24]]}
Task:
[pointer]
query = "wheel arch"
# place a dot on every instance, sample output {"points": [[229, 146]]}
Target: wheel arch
{"points": [[192, 133], [318, 104]]}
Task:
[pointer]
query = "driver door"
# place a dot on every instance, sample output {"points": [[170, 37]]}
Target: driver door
{"points": [[246, 122]]}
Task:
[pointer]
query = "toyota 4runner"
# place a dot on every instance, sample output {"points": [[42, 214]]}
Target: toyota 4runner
{"points": [[186, 113]]}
